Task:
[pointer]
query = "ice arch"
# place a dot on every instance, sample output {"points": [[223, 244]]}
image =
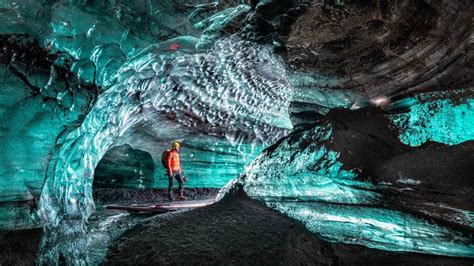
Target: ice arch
{"points": [[237, 92]]}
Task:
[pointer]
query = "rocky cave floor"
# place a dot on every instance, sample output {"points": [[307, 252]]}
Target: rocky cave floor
{"points": [[236, 230], [384, 49]]}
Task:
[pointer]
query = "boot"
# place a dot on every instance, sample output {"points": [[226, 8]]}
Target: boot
{"points": [[181, 197], [170, 196]]}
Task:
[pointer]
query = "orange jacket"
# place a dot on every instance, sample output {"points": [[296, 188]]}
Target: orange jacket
{"points": [[173, 161]]}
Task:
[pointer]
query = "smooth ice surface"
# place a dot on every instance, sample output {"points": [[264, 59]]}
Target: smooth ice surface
{"points": [[378, 228]]}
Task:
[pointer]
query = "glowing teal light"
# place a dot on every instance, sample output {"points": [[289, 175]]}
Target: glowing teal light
{"points": [[442, 121]]}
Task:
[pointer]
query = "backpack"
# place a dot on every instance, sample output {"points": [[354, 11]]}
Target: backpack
{"points": [[164, 158]]}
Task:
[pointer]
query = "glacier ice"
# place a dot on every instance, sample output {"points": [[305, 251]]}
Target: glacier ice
{"points": [[236, 92], [167, 72], [37, 102], [302, 178], [441, 120], [301, 169]]}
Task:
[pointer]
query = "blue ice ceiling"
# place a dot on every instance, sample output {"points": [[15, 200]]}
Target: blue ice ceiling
{"points": [[144, 73]]}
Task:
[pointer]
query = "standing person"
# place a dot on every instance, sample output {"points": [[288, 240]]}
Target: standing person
{"points": [[173, 167]]}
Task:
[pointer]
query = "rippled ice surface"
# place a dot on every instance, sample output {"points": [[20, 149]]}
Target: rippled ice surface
{"points": [[236, 92], [227, 103]]}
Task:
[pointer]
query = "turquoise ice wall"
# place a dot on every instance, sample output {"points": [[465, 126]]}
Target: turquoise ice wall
{"points": [[442, 120], [181, 72]]}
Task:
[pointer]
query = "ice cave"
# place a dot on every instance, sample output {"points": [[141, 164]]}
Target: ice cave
{"points": [[304, 132]]}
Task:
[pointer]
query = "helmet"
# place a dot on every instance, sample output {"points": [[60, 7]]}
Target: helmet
{"points": [[175, 144]]}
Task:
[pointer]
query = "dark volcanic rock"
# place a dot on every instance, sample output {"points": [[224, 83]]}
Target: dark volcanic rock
{"points": [[367, 144], [19, 247], [433, 181], [121, 164], [128, 196], [362, 138], [234, 231], [437, 166], [386, 47], [241, 231]]}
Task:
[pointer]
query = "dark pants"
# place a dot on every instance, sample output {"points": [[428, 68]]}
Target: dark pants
{"points": [[179, 178]]}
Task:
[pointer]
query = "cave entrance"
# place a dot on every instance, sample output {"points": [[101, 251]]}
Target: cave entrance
{"points": [[124, 167], [133, 166]]}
